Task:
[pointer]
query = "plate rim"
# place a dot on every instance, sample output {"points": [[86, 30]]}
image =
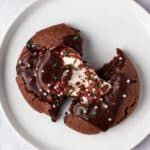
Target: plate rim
{"points": [[138, 9]]}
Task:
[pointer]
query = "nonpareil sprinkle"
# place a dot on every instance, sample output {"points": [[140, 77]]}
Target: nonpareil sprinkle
{"points": [[66, 53], [67, 94], [29, 44], [76, 37]]}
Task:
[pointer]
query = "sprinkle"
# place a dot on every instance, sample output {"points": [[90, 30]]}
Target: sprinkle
{"points": [[105, 105], [57, 104], [93, 89], [97, 86], [35, 53], [124, 95], [52, 120], [94, 97], [73, 88], [61, 93], [84, 111], [49, 85], [42, 71], [128, 81], [40, 90], [101, 99], [43, 48], [80, 111], [76, 69], [88, 106], [54, 106], [109, 119], [90, 81], [68, 112], [55, 96], [76, 37], [44, 93], [89, 76], [95, 78], [55, 78], [86, 90], [102, 80], [47, 50], [55, 87], [67, 71], [20, 62], [29, 44], [91, 94], [67, 94], [61, 53], [67, 66], [84, 99], [35, 75], [120, 58], [48, 91], [36, 69], [55, 65], [94, 113], [33, 45], [28, 65], [66, 53], [96, 107]]}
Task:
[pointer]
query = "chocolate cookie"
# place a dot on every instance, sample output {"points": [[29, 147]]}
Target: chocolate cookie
{"points": [[111, 108], [42, 42]]}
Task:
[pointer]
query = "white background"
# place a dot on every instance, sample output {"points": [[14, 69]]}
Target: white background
{"points": [[9, 140]]}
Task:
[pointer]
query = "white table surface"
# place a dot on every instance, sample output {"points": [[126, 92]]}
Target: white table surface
{"points": [[9, 140]]}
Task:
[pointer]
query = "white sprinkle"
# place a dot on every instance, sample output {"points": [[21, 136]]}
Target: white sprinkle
{"points": [[105, 105], [96, 107], [44, 93], [86, 90], [68, 112], [54, 106], [109, 119], [33, 45], [94, 97], [20, 62], [90, 81], [120, 58], [42, 71], [61, 93], [124, 95], [128, 81], [48, 85], [48, 91], [93, 89], [61, 53], [84, 99], [84, 111], [36, 69], [40, 90], [67, 70], [89, 94], [35, 53], [55, 87], [35, 75], [28, 65], [101, 99]]}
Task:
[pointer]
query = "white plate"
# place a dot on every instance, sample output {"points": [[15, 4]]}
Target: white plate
{"points": [[105, 25]]}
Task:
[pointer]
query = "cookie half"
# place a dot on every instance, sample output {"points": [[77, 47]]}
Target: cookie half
{"points": [[112, 108]]}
